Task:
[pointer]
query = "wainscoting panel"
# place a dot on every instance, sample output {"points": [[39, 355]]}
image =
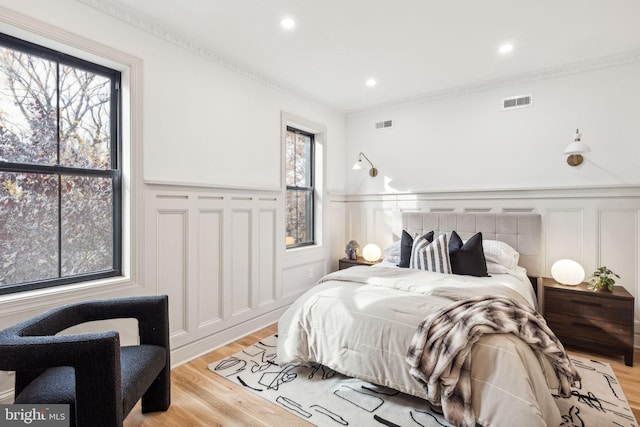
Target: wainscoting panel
{"points": [[569, 224], [357, 224], [299, 278], [266, 250], [172, 264], [241, 240], [381, 220], [336, 232], [220, 256], [618, 244], [209, 280]]}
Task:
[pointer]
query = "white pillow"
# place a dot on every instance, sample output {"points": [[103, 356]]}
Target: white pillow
{"points": [[500, 253], [495, 268], [392, 252], [517, 271]]}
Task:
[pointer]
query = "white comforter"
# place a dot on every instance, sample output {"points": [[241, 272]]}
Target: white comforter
{"points": [[360, 322]]}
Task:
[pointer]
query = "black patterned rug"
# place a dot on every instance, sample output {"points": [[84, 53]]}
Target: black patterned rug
{"points": [[326, 398]]}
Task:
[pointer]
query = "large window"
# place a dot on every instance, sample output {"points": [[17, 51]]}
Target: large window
{"points": [[60, 174], [299, 164]]}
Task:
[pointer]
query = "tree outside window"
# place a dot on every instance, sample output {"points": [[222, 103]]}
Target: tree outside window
{"points": [[60, 180], [299, 163]]}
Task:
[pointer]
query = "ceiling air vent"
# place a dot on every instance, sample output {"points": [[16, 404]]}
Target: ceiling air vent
{"points": [[517, 102], [384, 124]]}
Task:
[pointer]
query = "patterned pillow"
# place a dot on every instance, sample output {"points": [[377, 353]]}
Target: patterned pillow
{"points": [[432, 256], [406, 246]]}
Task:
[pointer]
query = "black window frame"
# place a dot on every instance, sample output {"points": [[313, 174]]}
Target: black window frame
{"points": [[310, 189], [114, 172]]}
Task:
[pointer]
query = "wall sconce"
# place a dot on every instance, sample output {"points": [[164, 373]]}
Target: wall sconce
{"points": [[358, 165], [575, 150]]}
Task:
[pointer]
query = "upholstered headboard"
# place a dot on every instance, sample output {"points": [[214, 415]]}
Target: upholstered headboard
{"points": [[522, 231]]}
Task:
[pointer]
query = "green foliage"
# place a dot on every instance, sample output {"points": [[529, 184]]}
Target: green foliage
{"points": [[602, 278]]}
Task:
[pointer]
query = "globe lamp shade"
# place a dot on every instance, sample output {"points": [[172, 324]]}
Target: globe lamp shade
{"points": [[567, 272], [371, 252]]}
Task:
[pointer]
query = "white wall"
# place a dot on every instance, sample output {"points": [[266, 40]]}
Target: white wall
{"points": [[208, 209], [203, 123], [468, 142], [463, 153]]}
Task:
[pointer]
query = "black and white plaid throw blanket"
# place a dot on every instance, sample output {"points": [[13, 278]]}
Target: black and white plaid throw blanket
{"points": [[440, 352]]}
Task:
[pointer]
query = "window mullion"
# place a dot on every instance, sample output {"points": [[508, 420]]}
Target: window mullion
{"points": [[58, 164]]}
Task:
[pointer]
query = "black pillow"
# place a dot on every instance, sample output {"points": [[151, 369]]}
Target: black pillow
{"points": [[467, 259], [406, 243]]}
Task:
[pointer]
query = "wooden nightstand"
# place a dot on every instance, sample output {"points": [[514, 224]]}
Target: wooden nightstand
{"points": [[346, 263], [600, 321]]}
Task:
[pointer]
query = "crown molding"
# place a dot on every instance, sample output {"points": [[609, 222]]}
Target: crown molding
{"points": [[126, 14], [580, 67], [143, 22]]}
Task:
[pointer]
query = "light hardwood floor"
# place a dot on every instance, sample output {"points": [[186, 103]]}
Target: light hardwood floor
{"points": [[200, 398]]}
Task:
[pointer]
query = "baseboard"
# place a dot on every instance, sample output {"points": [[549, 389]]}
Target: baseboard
{"points": [[206, 345]]}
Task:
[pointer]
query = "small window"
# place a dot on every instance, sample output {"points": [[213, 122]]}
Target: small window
{"points": [[60, 175], [299, 164]]}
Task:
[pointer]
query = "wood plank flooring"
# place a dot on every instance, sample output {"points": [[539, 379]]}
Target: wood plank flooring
{"points": [[200, 398]]}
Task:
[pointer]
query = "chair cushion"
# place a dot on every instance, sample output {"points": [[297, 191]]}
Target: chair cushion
{"points": [[140, 366], [55, 385]]}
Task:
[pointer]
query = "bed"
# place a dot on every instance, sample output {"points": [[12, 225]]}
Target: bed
{"points": [[361, 321]]}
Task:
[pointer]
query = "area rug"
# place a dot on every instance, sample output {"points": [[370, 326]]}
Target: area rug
{"points": [[326, 398]]}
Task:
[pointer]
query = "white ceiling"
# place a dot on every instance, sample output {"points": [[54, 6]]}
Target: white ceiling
{"points": [[413, 48]]}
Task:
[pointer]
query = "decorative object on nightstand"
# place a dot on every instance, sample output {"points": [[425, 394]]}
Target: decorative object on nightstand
{"points": [[602, 278], [352, 250], [346, 263], [601, 321], [567, 272], [371, 252]]}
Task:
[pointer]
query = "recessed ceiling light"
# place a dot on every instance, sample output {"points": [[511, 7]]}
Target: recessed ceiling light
{"points": [[287, 23], [371, 82], [506, 48]]}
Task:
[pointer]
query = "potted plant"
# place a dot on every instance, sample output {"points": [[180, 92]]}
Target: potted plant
{"points": [[602, 278]]}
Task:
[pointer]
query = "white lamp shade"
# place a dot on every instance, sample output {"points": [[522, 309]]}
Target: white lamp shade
{"points": [[357, 165], [371, 252], [567, 272], [577, 147]]}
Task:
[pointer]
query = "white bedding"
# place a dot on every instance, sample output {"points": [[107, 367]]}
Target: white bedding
{"points": [[360, 322]]}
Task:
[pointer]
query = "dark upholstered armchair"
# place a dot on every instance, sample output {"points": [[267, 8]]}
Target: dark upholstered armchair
{"points": [[101, 380]]}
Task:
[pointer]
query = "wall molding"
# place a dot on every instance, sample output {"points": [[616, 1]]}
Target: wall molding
{"points": [[145, 23], [185, 185], [171, 35], [630, 191], [579, 67]]}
